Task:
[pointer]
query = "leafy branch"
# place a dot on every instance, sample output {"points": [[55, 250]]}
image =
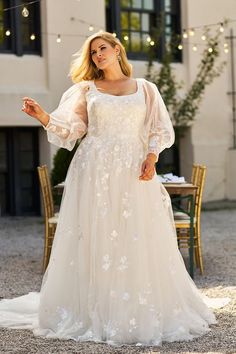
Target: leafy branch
{"points": [[183, 110]]}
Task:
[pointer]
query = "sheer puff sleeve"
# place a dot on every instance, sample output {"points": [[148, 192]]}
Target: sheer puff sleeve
{"points": [[69, 121], [158, 133]]}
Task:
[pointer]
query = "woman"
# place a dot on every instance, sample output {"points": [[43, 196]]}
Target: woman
{"points": [[115, 272]]}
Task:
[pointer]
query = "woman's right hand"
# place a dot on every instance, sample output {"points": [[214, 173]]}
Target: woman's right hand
{"points": [[33, 109]]}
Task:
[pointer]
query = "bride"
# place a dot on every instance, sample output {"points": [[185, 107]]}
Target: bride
{"points": [[115, 273]]}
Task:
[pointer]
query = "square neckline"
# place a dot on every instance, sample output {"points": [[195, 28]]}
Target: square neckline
{"points": [[110, 94]]}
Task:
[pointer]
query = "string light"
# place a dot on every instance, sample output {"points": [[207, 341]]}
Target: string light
{"points": [[191, 32], [58, 38], [20, 5], [222, 27], [25, 12], [226, 48], [185, 34], [90, 26], [188, 32]]}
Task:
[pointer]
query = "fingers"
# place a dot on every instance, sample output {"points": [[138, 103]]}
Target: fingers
{"points": [[143, 167], [147, 175], [29, 101], [26, 106], [30, 106]]}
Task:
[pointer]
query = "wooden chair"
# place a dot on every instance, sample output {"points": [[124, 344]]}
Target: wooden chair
{"points": [[49, 214], [182, 221], [195, 171]]}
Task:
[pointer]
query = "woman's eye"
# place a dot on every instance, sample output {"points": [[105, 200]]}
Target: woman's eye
{"points": [[103, 48]]}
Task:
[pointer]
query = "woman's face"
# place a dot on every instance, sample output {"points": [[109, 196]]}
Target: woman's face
{"points": [[103, 54]]}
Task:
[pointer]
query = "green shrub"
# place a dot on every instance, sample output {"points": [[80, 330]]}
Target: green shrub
{"points": [[61, 162]]}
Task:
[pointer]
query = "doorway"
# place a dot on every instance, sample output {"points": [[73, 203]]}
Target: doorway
{"points": [[19, 158]]}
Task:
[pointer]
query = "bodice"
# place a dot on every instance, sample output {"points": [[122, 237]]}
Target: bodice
{"points": [[112, 116]]}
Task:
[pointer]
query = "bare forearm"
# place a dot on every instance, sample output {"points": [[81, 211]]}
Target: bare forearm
{"points": [[44, 119], [33, 109]]}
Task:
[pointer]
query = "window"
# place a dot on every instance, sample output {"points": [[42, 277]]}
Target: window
{"points": [[135, 20], [20, 34]]}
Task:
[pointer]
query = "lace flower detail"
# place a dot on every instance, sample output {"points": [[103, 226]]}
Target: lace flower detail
{"points": [[106, 262], [123, 263]]}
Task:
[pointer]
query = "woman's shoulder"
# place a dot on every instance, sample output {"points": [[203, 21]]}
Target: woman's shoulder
{"points": [[148, 85], [84, 85], [75, 90], [146, 82]]}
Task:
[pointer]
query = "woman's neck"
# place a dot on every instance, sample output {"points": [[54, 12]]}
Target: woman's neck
{"points": [[114, 75]]}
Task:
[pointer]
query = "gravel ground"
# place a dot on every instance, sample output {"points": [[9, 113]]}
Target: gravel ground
{"points": [[21, 245]]}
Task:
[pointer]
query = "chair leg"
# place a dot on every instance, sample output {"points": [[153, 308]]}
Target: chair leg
{"points": [[46, 237], [48, 244], [199, 249], [49, 235], [196, 255]]}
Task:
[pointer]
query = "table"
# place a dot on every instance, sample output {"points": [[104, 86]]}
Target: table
{"points": [[185, 191]]}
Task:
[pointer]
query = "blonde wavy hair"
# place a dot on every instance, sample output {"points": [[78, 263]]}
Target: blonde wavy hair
{"points": [[83, 68]]}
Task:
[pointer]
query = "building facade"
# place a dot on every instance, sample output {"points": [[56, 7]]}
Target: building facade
{"points": [[36, 49]]}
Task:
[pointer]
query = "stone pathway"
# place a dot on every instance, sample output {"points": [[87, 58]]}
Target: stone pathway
{"points": [[21, 245]]}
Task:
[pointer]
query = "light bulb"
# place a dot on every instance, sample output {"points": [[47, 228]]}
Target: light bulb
{"points": [[148, 39], [91, 28], [152, 43], [203, 37], [58, 38], [210, 50], [185, 34], [126, 38], [25, 12], [114, 34], [194, 48], [32, 37], [222, 27], [226, 50], [180, 47], [191, 32], [225, 45], [8, 33]]}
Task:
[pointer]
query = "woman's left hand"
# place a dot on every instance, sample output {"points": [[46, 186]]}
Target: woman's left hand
{"points": [[148, 169]]}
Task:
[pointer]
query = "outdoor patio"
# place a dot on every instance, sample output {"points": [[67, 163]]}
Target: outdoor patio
{"points": [[21, 250]]}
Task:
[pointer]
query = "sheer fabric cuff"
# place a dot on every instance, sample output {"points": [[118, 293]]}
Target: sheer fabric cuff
{"points": [[60, 134]]}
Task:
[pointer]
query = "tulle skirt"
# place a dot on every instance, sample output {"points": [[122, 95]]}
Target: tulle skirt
{"points": [[115, 273]]}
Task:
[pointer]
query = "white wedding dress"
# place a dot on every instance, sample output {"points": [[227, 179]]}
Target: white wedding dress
{"points": [[115, 274]]}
